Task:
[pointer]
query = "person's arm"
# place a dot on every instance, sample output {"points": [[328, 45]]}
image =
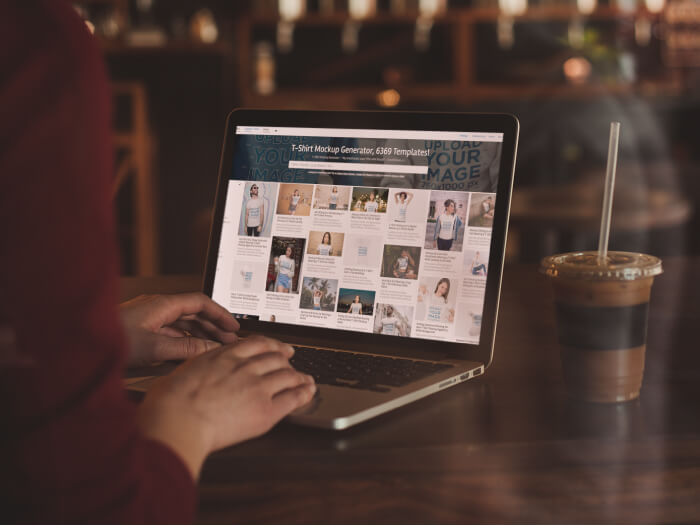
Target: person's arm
{"points": [[396, 198], [73, 448], [409, 198], [247, 211], [261, 226]]}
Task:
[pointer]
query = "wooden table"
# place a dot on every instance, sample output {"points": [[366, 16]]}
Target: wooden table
{"points": [[506, 447]]}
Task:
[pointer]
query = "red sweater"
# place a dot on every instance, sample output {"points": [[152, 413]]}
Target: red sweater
{"points": [[71, 451]]}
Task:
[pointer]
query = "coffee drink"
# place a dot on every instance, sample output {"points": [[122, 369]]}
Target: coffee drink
{"points": [[602, 309]]}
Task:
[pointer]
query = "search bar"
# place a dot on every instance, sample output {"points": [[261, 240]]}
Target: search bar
{"points": [[356, 166]]}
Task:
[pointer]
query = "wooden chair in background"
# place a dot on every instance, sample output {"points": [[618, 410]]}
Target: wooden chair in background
{"points": [[134, 153]]}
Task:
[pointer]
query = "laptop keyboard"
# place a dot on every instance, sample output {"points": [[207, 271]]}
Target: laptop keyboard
{"points": [[361, 371]]}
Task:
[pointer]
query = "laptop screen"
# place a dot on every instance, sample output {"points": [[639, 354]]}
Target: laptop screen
{"points": [[373, 231]]}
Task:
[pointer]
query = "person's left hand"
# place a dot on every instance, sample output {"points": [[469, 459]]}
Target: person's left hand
{"points": [[163, 327]]}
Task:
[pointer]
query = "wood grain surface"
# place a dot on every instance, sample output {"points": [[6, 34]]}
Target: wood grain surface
{"points": [[507, 447]]}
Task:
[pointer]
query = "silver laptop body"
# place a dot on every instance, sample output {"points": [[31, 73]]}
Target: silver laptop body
{"points": [[371, 233]]}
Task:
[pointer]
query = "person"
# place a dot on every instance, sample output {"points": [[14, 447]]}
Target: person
{"points": [[75, 449], [272, 271], [437, 308], [447, 226], [403, 199], [356, 306], [325, 247], [371, 205], [254, 213], [404, 266], [317, 299], [390, 323], [285, 271], [333, 199], [273, 319], [294, 199], [478, 268], [487, 208]]}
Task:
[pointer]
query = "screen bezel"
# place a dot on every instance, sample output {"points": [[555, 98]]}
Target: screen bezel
{"points": [[460, 122]]}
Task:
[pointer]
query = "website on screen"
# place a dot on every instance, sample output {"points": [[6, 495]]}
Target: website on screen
{"points": [[375, 231]]}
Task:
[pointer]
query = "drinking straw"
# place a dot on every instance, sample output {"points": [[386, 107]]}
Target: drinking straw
{"points": [[608, 193]]}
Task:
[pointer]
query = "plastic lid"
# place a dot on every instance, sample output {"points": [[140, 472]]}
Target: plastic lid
{"points": [[619, 266]]}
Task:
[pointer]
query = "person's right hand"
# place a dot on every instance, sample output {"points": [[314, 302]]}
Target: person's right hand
{"points": [[224, 397]]}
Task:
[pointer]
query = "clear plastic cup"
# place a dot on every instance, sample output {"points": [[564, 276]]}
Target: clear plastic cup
{"points": [[602, 310]]}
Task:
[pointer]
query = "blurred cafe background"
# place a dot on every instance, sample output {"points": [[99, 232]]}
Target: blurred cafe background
{"points": [[565, 68]]}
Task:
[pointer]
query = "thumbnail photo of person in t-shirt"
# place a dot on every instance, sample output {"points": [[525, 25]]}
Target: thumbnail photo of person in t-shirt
{"points": [[256, 212], [400, 262], [294, 199], [285, 264], [370, 200], [434, 300], [481, 210], [403, 199], [333, 198], [446, 220], [356, 302], [325, 243], [393, 319], [318, 294], [478, 267]]}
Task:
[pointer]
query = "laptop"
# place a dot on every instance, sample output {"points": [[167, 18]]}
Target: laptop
{"points": [[371, 241]]}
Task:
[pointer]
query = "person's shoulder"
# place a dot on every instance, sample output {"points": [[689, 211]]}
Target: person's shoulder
{"points": [[50, 31]]}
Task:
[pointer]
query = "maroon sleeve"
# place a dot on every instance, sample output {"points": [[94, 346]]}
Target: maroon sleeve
{"points": [[71, 451]]}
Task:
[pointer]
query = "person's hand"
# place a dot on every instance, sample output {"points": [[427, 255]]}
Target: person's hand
{"points": [[259, 229], [223, 397], [163, 327]]}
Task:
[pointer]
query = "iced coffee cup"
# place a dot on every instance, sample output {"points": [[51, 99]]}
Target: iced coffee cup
{"points": [[601, 310]]}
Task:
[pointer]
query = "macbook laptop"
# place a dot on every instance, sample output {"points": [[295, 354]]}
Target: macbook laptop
{"points": [[371, 241]]}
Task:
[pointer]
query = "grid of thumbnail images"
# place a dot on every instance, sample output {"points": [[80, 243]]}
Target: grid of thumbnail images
{"points": [[392, 261]]}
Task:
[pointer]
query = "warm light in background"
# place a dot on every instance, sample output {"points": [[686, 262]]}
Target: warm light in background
{"points": [[655, 6], [291, 9], [388, 98], [431, 8], [577, 70], [586, 7], [512, 7], [360, 9]]}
